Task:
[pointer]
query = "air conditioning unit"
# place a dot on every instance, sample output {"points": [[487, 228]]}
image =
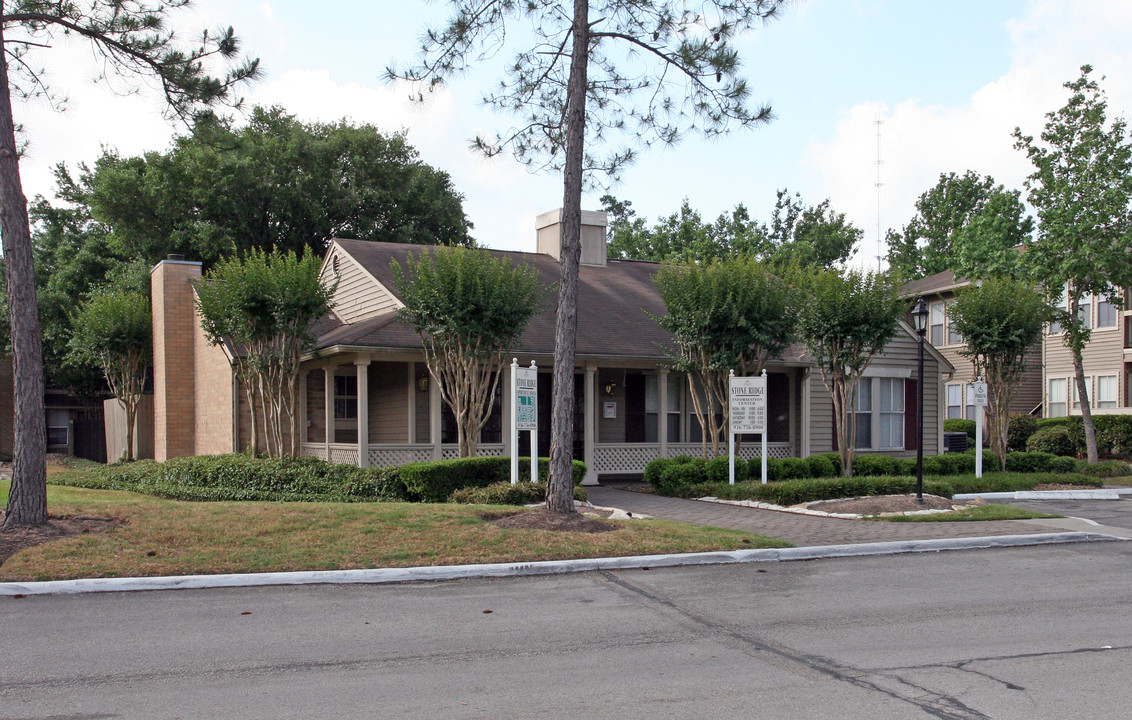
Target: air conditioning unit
{"points": [[956, 442]]}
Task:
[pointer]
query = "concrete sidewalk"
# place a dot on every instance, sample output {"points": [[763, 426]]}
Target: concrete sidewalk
{"points": [[809, 531]]}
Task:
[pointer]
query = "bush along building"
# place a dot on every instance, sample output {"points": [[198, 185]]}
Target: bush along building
{"points": [[366, 397]]}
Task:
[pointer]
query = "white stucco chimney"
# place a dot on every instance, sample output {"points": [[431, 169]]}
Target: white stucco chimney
{"points": [[549, 228]]}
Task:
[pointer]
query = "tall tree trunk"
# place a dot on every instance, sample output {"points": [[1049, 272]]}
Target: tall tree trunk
{"points": [[131, 413], [560, 485], [1086, 412], [27, 500]]}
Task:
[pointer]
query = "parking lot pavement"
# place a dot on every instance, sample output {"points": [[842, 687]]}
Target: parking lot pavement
{"points": [[1110, 513]]}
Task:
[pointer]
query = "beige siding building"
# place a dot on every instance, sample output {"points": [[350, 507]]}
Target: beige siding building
{"points": [[1107, 361], [369, 400]]}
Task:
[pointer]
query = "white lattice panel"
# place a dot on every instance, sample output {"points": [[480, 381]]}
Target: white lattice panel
{"points": [[624, 458], [451, 452], [390, 456], [316, 451], [747, 450], [347, 455]]}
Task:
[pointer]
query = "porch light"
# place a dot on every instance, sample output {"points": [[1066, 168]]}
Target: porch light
{"points": [[920, 317], [609, 388], [422, 383]]}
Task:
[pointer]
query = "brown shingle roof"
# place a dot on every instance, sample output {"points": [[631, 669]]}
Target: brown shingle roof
{"points": [[933, 284], [612, 304]]}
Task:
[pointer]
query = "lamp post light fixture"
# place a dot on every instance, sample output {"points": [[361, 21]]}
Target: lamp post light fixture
{"points": [[920, 323]]}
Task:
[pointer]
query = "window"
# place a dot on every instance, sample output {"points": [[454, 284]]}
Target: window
{"points": [[1054, 325], [1085, 310], [863, 440], [345, 397], [953, 336], [1106, 312], [891, 413], [954, 402], [1076, 394], [58, 428], [652, 408], [675, 406], [936, 323], [1106, 391], [970, 415], [1055, 399]]}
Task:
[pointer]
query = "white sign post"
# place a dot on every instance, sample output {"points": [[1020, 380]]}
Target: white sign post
{"points": [[524, 415], [747, 413], [979, 400]]}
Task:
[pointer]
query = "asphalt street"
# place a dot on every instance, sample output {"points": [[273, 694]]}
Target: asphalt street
{"points": [[1030, 633]]}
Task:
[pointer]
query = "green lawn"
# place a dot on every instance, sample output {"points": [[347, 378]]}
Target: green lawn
{"points": [[982, 512], [170, 537]]}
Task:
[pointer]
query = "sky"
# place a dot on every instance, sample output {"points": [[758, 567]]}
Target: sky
{"points": [[926, 88]]}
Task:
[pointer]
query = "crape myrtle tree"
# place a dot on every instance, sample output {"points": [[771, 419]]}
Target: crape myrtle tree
{"points": [[733, 314], [470, 308], [262, 307], [1082, 189], [113, 331], [131, 44], [645, 70], [963, 223], [1000, 319], [845, 318]]}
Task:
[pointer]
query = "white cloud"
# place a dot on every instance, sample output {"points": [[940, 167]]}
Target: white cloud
{"points": [[920, 141]]}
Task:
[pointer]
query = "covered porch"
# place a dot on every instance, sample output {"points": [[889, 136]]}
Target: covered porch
{"points": [[373, 409]]}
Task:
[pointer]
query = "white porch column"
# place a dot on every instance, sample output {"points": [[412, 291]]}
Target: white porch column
{"points": [[434, 416], [328, 406], [362, 365], [507, 396], [412, 434], [662, 417], [589, 433], [304, 412], [804, 443]]}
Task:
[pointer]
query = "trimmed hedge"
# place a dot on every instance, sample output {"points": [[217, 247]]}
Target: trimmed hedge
{"points": [[1019, 431], [794, 492], [1104, 468], [960, 425], [864, 465], [504, 493], [435, 481], [1114, 433], [1053, 439]]}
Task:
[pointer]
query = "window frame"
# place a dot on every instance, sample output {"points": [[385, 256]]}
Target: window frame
{"points": [[1063, 401]]}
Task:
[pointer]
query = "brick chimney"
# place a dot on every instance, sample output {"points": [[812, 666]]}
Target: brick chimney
{"points": [[174, 319], [549, 227]]}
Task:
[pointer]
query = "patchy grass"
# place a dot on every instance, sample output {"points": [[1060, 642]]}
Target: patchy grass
{"points": [[990, 511], [169, 537]]}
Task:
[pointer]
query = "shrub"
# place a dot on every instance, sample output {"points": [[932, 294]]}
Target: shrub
{"points": [[1053, 439], [960, 425], [905, 466], [773, 470], [1114, 433], [1104, 469], [1063, 464], [681, 474], [1020, 429], [504, 493], [1029, 462], [792, 468], [871, 465], [654, 469], [718, 469], [435, 481], [820, 466]]}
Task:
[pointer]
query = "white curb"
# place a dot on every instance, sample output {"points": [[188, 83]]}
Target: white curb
{"points": [[551, 567], [1106, 494]]}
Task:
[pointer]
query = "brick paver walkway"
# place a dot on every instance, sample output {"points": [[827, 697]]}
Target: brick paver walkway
{"points": [[802, 530]]}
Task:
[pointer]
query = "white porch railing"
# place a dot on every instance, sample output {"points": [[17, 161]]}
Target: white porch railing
{"points": [[619, 458], [388, 455], [317, 450]]}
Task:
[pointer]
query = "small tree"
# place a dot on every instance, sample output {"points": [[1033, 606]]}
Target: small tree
{"points": [[730, 314], [470, 309], [113, 331], [1000, 320], [263, 306], [846, 318], [1082, 189]]}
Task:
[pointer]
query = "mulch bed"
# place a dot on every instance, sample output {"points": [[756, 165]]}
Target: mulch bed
{"points": [[543, 519], [56, 527], [883, 504]]}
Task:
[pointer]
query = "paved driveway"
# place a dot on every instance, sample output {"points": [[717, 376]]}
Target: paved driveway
{"points": [[803, 530]]}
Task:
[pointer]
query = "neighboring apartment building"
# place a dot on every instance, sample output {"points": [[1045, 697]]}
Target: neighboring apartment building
{"points": [[1107, 360], [368, 398], [938, 292]]}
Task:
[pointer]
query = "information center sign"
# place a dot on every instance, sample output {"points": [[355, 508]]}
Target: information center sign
{"points": [[526, 398], [748, 405]]}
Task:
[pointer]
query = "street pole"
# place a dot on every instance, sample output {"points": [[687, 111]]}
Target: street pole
{"points": [[920, 424]]}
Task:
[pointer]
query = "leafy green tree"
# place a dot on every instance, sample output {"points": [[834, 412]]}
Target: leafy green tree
{"points": [[131, 44], [1082, 189], [113, 331], [732, 314], [845, 318], [648, 70], [1000, 320], [966, 224], [470, 309], [264, 305], [815, 236]]}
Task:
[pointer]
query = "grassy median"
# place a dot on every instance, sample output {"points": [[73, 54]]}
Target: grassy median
{"points": [[170, 537]]}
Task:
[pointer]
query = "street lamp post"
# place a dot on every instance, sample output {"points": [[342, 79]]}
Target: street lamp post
{"points": [[920, 322]]}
